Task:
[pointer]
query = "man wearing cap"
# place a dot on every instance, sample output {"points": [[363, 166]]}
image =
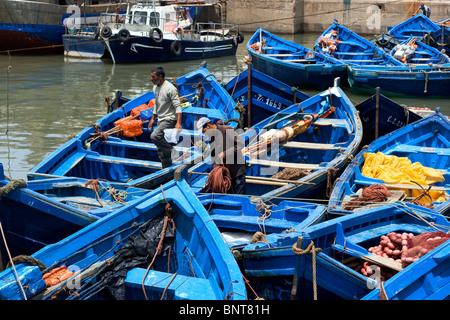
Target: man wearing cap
{"points": [[226, 149], [168, 112], [425, 10]]}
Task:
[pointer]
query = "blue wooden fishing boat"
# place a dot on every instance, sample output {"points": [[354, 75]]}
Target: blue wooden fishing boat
{"points": [[412, 80], [164, 246], [292, 63], [262, 95], [38, 213], [381, 115], [240, 219], [102, 151], [426, 279], [159, 31], [346, 244], [352, 49], [413, 51], [424, 141], [423, 28], [325, 132]]}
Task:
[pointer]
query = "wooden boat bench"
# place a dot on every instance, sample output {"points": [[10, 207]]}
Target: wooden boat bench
{"points": [[139, 145], [125, 161], [310, 145], [331, 122], [401, 186], [180, 286], [304, 61], [406, 148], [268, 163]]}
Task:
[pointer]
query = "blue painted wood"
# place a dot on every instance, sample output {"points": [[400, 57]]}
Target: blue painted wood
{"points": [[426, 279], [293, 63], [423, 53], [239, 214], [201, 256], [417, 80], [48, 210], [135, 160], [391, 116], [355, 50], [425, 141], [339, 239], [83, 44], [328, 143], [268, 95]]}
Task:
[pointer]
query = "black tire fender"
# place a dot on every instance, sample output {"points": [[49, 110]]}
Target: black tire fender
{"points": [[123, 35], [176, 48], [159, 33], [106, 32]]}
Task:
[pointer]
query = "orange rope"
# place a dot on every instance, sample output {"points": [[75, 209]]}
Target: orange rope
{"points": [[167, 219], [219, 180]]}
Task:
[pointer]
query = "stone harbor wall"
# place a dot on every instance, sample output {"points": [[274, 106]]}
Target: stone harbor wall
{"points": [[294, 16]]}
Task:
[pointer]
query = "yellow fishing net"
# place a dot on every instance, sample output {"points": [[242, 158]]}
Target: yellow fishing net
{"points": [[400, 170]]}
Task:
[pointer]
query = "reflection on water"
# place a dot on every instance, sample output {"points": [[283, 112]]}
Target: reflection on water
{"points": [[46, 99]]}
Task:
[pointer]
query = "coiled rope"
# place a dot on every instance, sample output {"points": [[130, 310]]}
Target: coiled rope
{"points": [[219, 180]]}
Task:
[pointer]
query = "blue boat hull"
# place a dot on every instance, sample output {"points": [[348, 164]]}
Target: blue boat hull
{"points": [[317, 71], [389, 117], [31, 38], [143, 49], [339, 239], [425, 82], [42, 212], [200, 264], [83, 46], [267, 95]]}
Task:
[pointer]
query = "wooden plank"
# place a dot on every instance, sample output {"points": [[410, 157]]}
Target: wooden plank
{"points": [[140, 145], [310, 145], [371, 258], [280, 54], [403, 186], [269, 163], [126, 161], [301, 60]]}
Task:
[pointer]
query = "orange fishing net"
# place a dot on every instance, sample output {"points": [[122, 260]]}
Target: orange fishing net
{"points": [[131, 128], [56, 276]]}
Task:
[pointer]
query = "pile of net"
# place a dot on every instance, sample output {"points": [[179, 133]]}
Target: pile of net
{"points": [[291, 174], [372, 194], [402, 247], [137, 252]]}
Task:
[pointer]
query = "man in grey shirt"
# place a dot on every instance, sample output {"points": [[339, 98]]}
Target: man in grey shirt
{"points": [[168, 112]]}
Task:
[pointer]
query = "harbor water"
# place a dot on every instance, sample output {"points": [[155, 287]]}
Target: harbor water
{"points": [[44, 100]]}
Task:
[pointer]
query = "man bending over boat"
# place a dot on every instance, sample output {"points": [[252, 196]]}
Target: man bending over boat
{"points": [[168, 112], [226, 150], [425, 10]]}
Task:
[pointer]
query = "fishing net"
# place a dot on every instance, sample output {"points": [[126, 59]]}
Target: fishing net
{"points": [[291, 174], [421, 244], [374, 193], [137, 252]]}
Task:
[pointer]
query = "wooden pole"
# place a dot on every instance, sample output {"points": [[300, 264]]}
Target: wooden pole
{"points": [[377, 110], [249, 96]]}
